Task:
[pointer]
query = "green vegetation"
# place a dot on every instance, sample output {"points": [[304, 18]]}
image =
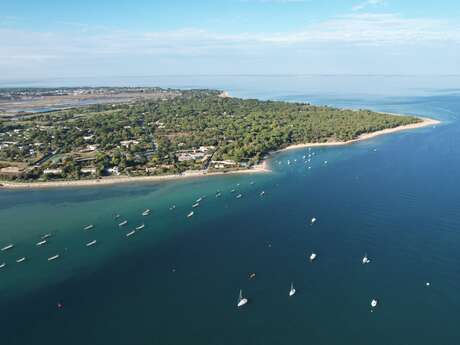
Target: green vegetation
{"points": [[193, 130]]}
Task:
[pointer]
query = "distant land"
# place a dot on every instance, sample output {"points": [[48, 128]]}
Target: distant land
{"points": [[121, 134]]}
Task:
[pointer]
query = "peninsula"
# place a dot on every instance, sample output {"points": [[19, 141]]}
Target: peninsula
{"points": [[171, 134]]}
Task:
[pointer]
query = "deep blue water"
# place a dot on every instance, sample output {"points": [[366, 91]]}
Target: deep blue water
{"points": [[394, 197]]}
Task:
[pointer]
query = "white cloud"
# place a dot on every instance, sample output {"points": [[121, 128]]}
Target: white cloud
{"points": [[368, 3], [20, 50]]}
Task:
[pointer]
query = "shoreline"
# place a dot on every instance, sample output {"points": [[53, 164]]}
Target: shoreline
{"points": [[425, 123], [112, 180], [260, 168]]}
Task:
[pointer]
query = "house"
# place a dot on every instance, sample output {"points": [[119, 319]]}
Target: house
{"points": [[52, 171]]}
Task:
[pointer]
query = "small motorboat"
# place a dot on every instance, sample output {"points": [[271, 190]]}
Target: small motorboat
{"points": [[239, 196], [41, 243], [252, 275], [123, 223], [7, 247], [21, 259], [313, 221], [218, 194], [146, 212], [45, 236], [92, 243], [2, 265], [88, 227], [313, 257], [366, 259], [198, 200], [241, 300], [195, 205], [292, 290], [140, 227], [172, 207], [262, 193], [374, 303], [54, 257], [190, 214]]}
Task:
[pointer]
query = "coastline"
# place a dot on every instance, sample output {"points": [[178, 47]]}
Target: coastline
{"points": [[425, 123], [107, 181], [260, 168]]}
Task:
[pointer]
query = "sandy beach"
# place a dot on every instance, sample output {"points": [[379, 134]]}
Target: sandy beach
{"points": [[425, 123], [260, 168]]}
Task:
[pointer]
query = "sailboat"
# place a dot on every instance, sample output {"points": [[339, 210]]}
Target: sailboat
{"points": [[292, 291], [241, 300]]}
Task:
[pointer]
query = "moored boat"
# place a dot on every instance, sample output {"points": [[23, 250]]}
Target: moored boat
{"points": [[123, 223], [7, 247], [190, 214], [54, 257], [140, 227], [88, 227], [41, 243], [92, 243], [2, 265], [239, 196], [313, 256], [146, 212], [241, 300], [132, 232], [195, 205], [21, 259], [292, 290]]}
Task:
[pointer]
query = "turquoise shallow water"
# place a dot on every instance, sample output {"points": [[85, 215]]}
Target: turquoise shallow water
{"points": [[395, 198]]}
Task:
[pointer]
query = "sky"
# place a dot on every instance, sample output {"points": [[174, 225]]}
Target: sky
{"points": [[63, 39]]}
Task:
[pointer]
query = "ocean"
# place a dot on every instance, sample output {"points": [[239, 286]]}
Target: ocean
{"points": [[395, 198]]}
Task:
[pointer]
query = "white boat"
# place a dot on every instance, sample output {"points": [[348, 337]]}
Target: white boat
{"points": [[232, 191], [146, 212], [218, 194], [190, 214], [313, 256], [116, 216], [140, 227], [172, 207], [198, 200], [251, 183], [195, 205], [374, 303], [41, 243], [45, 236], [123, 223], [21, 259], [132, 232], [313, 221], [241, 300], [262, 193], [54, 257], [92, 243], [7, 247], [292, 291], [3, 264], [325, 162], [239, 196], [366, 259], [88, 227]]}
